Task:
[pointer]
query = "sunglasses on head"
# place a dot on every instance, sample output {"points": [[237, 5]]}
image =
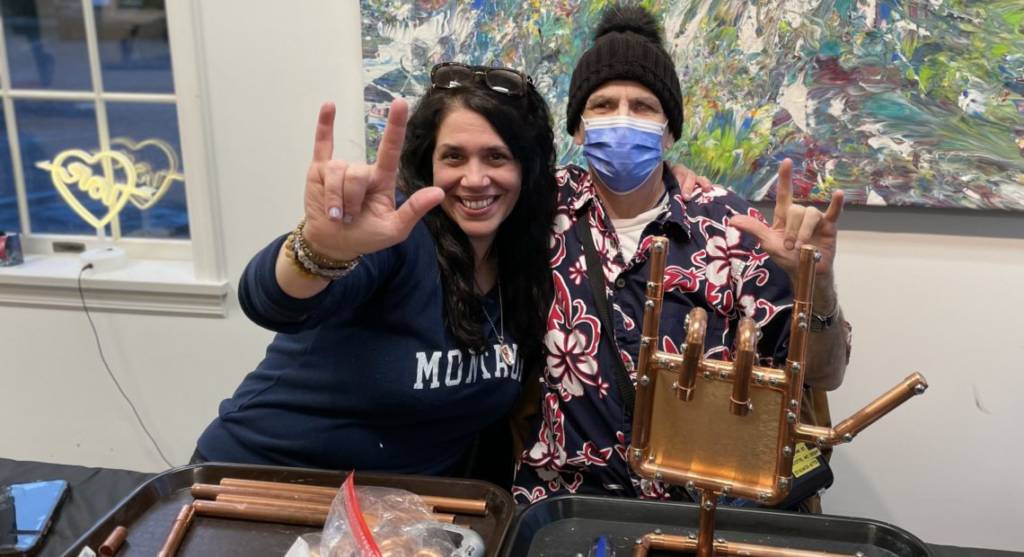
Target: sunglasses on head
{"points": [[450, 75]]}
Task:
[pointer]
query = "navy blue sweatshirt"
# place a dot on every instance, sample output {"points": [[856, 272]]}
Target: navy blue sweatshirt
{"points": [[363, 375]]}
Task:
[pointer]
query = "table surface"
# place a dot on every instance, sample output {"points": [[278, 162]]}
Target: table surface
{"points": [[92, 493], [96, 491]]}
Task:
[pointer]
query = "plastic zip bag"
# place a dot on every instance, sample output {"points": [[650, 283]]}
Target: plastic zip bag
{"points": [[370, 521]]}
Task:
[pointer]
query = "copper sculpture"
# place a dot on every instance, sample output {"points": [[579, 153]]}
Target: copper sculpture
{"points": [[730, 428]]}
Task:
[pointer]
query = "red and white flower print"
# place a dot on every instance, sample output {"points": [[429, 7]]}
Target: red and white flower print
{"points": [[571, 342], [590, 455], [679, 279], [578, 271], [556, 244], [549, 449]]}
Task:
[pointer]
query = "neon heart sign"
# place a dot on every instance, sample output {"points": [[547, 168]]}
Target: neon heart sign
{"points": [[113, 177]]}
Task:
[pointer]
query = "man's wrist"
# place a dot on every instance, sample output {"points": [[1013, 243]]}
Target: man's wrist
{"points": [[824, 305], [824, 321]]}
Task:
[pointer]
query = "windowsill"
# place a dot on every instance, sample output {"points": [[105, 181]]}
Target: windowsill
{"points": [[141, 286]]}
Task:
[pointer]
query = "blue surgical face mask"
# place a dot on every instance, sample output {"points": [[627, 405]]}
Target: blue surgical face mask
{"points": [[624, 151]]}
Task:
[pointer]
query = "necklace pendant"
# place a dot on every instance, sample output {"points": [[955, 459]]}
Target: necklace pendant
{"points": [[506, 354]]}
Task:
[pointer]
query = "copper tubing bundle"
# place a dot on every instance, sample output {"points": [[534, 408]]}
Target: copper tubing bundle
{"points": [[284, 503], [281, 490], [178, 530], [113, 543]]}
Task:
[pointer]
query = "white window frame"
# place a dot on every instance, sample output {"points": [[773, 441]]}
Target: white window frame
{"points": [[185, 277]]}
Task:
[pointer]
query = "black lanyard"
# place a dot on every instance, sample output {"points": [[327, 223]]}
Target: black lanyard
{"points": [[595, 274]]}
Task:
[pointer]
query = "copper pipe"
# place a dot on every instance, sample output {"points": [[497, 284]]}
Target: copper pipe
{"points": [[178, 531], [443, 517], [675, 476], [696, 326], [289, 490], [280, 503], [656, 285], [799, 330], [210, 491], [746, 351], [706, 523], [663, 542], [679, 544], [736, 548], [306, 506], [723, 370], [914, 384], [646, 373], [282, 486], [261, 513], [801, 320], [112, 544]]}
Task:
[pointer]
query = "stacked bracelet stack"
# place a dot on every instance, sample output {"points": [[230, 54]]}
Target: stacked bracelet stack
{"points": [[311, 263]]}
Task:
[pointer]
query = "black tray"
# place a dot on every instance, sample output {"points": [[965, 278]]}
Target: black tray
{"points": [[151, 509], [566, 526]]}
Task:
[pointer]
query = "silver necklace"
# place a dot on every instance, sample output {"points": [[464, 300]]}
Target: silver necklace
{"points": [[503, 349]]}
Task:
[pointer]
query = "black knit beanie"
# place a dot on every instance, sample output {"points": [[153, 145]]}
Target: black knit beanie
{"points": [[628, 46]]}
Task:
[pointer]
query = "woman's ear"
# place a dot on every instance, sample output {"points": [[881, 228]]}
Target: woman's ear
{"points": [[577, 137]]}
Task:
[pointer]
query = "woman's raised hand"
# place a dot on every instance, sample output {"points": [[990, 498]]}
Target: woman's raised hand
{"points": [[350, 207]]}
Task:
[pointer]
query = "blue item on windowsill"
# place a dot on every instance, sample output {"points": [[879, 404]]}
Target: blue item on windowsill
{"points": [[10, 249]]}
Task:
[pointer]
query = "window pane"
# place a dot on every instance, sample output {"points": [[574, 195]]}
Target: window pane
{"points": [[46, 129], [9, 221], [148, 134], [133, 45], [46, 44]]}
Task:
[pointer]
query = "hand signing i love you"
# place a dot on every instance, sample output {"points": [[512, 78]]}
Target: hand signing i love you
{"points": [[350, 207], [795, 225]]}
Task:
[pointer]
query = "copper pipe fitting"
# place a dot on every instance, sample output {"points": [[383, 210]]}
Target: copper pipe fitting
{"points": [[696, 326], [112, 544], [743, 365]]}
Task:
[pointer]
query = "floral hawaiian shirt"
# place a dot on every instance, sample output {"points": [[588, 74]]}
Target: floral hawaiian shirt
{"points": [[578, 441]]}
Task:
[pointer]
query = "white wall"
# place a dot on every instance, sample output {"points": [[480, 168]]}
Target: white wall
{"points": [[940, 295], [946, 465]]}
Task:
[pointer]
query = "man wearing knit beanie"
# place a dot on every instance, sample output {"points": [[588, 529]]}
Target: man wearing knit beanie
{"points": [[625, 108]]}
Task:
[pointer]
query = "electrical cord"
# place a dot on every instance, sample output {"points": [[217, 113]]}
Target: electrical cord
{"points": [[99, 347]]}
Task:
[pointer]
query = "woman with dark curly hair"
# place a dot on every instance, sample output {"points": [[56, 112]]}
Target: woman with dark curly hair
{"points": [[406, 321]]}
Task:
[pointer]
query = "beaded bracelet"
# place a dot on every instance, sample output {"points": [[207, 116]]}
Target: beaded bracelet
{"points": [[289, 252], [315, 264]]}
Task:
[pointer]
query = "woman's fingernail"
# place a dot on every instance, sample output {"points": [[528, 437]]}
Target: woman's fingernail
{"points": [[790, 244], [334, 213], [347, 219]]}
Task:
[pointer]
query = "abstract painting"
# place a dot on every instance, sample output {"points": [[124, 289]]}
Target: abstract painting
{"points": [[896, 102]]}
